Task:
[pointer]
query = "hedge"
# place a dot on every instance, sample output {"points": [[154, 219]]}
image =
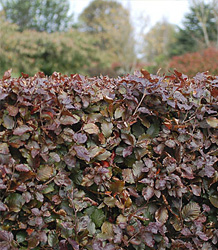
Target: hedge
{"points": [[102, 163]]}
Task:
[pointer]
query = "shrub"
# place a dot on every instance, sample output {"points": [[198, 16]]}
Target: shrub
{"points": [[101, 163], [191, 63]]}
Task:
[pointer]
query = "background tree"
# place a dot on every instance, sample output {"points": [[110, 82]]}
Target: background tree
{"points": [[199, 29], [39, 15], [109, 22], [157, 43], [31, 51]]}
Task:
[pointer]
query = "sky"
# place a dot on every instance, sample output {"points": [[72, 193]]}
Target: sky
{"points": [[154, 10]]}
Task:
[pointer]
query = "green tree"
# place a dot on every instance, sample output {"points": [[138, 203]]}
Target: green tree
{"points": [[109, 23], [31, 51], [39, 15], [199, 29], [156, 45]]}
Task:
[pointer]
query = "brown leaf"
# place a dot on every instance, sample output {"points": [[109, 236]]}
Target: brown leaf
{"points": [[212, 121], [191, 211], [91, 128], [128, 176], [161, 215], [44, 173], [12, 110], [7, 74], [69, 120]]}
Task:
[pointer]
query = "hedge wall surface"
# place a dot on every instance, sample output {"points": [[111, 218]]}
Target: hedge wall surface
{"points": [[101, 163]]}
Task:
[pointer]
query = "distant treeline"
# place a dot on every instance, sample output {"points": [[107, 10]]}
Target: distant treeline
{"points": [[43, 36]]}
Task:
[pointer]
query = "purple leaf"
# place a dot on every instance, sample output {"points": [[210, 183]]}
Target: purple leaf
{"points": [[147, 193], [22, 130], [3, 207], [82, 153], [148, 239], [22, 168], [6, 236], [74, 244], [79, 138], [127, 151], [70, 160]]}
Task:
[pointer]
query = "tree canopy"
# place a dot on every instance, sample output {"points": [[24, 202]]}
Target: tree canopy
{"points": [[110, 24], [199, 29], [39, 15]]}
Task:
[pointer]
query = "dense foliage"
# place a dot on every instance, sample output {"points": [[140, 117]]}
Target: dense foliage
{"points": [[191, 37], [102, 163], [71, 51], [191, 63], [39, 15]]}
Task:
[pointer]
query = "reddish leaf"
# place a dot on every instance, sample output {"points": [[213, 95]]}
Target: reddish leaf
{"points": [[22, 130], [12, 110], [22, 168], [7, 74]]}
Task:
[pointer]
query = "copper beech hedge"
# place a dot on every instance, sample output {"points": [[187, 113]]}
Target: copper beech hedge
{"points": [[101, 163]]}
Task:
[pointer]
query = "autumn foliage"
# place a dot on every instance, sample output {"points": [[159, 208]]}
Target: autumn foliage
{"points": [[102, 163], [191, 63]]}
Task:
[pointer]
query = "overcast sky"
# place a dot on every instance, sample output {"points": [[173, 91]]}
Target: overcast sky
{"points": [[172, 10]]}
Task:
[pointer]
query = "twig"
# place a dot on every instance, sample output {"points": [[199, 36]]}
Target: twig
{"points": [[140, 102]]}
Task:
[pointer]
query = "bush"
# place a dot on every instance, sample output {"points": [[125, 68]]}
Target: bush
{"points": [[191, 63], [100, 163], [31, 51]]}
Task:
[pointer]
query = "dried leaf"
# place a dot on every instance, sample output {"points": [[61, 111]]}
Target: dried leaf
{"points": [[12, 110], [91, 128], [107, 229], [7, 74]]}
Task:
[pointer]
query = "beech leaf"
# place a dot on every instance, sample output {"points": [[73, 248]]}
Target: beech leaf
{"points": [[191, 211], [82, 153], [91, 128], [69, 120], [147, 193], [22, 130], [212, 121], [161, 215], [214, 200]]}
